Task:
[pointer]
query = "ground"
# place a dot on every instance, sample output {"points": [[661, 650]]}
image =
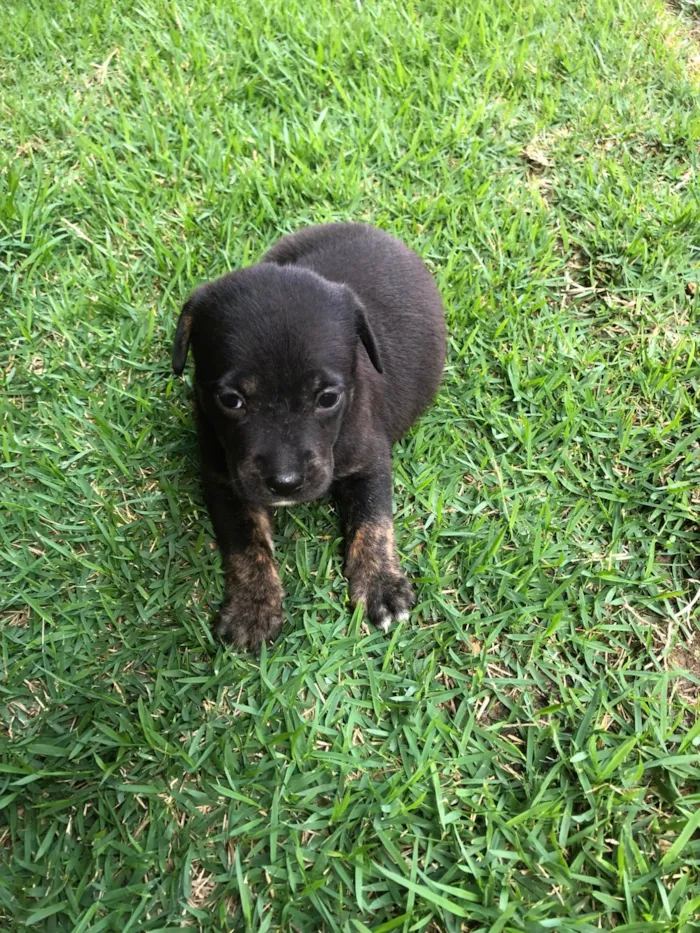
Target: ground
{"points": [[524, 753]]}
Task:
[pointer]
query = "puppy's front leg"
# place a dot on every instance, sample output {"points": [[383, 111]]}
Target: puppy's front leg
{"points": [[252, 609], [371, 562]]}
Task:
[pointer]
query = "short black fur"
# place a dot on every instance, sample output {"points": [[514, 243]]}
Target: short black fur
{"points": [[308, 366]]}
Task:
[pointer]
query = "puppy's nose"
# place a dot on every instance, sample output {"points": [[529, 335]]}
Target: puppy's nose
{"points": [[285, 483]]}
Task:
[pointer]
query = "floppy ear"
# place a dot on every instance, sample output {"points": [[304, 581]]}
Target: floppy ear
{"points": [[182, 334], [365, 334]]}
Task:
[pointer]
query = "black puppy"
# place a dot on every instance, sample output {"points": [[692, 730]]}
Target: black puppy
{"points": [[308, 366]]}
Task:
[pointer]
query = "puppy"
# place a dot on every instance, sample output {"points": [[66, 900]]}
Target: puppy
{"points": [[308, 366]]}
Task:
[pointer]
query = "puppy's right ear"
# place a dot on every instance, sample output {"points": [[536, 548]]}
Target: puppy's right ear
{"points": [[183, 332]]}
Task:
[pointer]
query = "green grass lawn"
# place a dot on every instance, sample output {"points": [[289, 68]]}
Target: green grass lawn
{"points": [[524, 754]]}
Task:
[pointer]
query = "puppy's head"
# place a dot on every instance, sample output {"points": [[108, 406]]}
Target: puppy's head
{"points": [[276, 351]]}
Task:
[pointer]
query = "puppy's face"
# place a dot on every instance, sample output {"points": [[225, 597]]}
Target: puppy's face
{"points": [[275, 366]]}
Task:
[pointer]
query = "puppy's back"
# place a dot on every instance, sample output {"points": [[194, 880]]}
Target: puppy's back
{"points": [[403, 306]]}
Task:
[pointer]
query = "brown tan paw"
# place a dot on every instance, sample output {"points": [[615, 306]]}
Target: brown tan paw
{"points": [[388, 597], [375, 576], [247, 619]]}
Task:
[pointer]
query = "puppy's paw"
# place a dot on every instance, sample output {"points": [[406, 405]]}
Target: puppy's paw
{"points": [[388, 597], [249, 618]]}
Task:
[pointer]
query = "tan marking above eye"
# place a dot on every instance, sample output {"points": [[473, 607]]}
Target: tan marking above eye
{"points": [[249, 385]]}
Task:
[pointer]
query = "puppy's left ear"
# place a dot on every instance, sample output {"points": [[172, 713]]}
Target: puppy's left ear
{"points": [[364, 332], [184, 331]]}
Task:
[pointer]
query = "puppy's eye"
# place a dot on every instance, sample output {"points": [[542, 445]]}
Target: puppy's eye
{"points": [[328, 399], [231, 401]]}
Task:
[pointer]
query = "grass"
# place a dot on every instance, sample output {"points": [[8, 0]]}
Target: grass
{"points": [[524, 754]]}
